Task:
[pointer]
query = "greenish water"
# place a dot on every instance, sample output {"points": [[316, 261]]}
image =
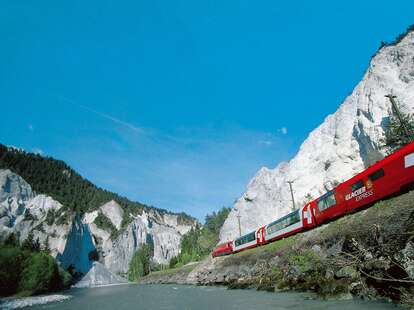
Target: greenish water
{"points": [[171, 297]]}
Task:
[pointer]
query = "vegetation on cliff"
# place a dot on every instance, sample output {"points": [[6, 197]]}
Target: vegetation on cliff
{"points": [[56, 179], [27, 269], [140, 263], [399, 130], [200, 241]]}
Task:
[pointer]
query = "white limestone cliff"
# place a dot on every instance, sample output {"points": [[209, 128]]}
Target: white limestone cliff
{"points": [[150, 226], [344, 144], [22, 211]]}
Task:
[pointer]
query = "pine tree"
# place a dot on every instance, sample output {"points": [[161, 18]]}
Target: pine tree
{"points": [[31, 244], [399, 130], [12, 240], [46, 246]]}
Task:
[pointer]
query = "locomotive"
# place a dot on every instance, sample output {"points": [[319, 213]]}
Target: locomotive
{"points": [[387, 177]]}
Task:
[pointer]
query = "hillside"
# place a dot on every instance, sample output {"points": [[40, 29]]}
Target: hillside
{"points": [[56, 179], [79, 223]]}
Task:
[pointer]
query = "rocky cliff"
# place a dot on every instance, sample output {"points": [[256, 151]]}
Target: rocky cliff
{"points": [[106, 234], [344, 144]]}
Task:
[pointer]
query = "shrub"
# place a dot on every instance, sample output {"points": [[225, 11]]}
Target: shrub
{"points": [[11, 266], [140, 263], [105, 223], [40, 274]]}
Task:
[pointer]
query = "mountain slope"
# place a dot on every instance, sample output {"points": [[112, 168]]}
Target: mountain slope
{"points": [[344, 144], [56, 179], [77, 221]]}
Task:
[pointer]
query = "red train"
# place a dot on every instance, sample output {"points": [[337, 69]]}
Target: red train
{"points": [[389, 176]]}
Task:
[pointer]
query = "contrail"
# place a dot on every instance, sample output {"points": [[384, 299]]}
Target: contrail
{"points": [[106, 116]]}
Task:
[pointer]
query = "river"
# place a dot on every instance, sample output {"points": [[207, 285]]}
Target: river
{"points": [[180, 297]]}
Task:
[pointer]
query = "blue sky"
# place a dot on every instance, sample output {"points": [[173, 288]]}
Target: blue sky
{"points": [[178, 103]]}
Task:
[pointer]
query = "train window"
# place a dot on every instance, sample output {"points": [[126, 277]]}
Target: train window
{"points": [[245, 239], [357, 185], [330, 200], [409, 160], [321, 204], [376, 175], [283, 222], [326, 201]]}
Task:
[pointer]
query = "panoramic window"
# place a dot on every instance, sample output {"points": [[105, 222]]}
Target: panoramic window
{"points": [[245, 239], [284, 222], [326, 201], [357, 185], [376, 175]]}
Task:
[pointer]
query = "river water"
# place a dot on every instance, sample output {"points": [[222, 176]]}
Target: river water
{"points": [[180, 297]]}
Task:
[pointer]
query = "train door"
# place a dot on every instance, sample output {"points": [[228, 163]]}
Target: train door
{"points": [[260, 235], [308, 216]]}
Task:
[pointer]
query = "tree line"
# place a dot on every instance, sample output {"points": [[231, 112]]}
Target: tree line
{"points": [[29, 269], [56, 179]]}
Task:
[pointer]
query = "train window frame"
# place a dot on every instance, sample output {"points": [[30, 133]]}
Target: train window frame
{"points": [[286, 221], [245, 239], [326, 201], [378, 174], [357, 185]]}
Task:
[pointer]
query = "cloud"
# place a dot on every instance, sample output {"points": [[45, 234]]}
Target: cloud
{"points": [[37, 151], [106, 116], [283, 130], [266, 142], [196, 170]]}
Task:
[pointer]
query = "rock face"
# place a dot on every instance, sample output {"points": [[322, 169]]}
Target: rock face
{"points": [[78, 241], [21, 212], [98, 275], [344, 144], [79, 248], [149, 227]]}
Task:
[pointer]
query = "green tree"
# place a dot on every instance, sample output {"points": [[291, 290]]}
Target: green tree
{"points": [[11, 266], [30, 244], [397, 128], [200, 241], [40, 274], [140, 263], [12, 240], [56, 179], [27, 272]]}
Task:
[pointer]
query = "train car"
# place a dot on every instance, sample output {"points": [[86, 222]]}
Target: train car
{"points": [[223, 249], [289, 224], [246, 241], [391, 175]]}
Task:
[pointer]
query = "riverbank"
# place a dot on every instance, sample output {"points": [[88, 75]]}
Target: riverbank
{"points": [[369, 254]]}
